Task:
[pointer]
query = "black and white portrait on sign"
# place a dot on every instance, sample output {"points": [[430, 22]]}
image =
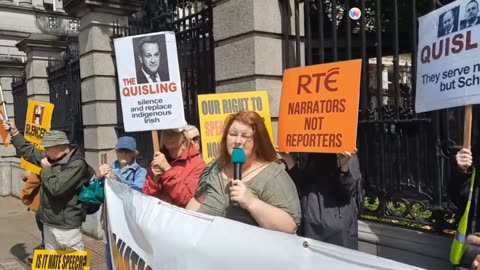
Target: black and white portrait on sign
{"points": [[471, 16], [448, 22], [151, 59]]}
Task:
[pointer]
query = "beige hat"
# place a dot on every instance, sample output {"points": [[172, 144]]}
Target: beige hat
{"points": [[54, 138]]}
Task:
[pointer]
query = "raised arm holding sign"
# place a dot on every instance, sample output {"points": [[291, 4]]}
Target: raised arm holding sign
{"points": [[448, 75]]}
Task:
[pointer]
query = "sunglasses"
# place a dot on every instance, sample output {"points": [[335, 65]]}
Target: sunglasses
{"points": [[196, 138]]}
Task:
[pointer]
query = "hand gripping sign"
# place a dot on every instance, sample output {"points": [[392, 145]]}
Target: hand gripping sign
{"points": [[319, 108]]}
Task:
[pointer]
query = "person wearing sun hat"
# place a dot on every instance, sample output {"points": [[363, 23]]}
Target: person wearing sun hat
{"points": [[64, 172], [125, 169]]}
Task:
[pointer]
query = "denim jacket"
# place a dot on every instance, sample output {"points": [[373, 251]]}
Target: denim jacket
{"points": [[132, 175]]}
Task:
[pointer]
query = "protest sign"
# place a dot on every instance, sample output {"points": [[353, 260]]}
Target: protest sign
{"points": [[319, 108], [146, 233], [149, 82], [3, 132], [448, 59], [3, 117], [60, 259], [214, 109], [37, 123]]}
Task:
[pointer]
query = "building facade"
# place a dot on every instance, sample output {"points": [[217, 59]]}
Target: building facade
{"points": [[62, 52]]}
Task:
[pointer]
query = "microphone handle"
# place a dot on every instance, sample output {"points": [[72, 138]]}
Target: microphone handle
{"points": [[237, 171], [237, 175]]}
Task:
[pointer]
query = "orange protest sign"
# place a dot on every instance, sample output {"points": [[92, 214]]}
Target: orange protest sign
{"points": [[319, 108], [3, 132]]}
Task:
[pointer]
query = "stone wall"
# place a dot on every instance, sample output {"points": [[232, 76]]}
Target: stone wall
{"points": [[249, 55], [418, 248]]}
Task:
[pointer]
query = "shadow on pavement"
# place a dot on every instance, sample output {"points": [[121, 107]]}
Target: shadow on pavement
{"points": [[20, 251]]}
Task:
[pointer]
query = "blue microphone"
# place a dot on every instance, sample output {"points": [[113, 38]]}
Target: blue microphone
{"points": [[238, 159]]}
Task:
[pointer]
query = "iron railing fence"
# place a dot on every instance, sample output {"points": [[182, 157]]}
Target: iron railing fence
{"points": [[405, 157], [65, 93]]}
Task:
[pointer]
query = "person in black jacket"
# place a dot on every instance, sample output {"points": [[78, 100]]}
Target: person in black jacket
{"points": [[328, 185], [63, 174], [458, 189]]}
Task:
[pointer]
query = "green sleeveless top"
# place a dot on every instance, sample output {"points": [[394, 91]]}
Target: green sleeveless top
{"points": [[272, 185]]}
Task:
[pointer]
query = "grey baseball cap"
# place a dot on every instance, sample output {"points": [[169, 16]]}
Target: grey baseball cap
{"points": [[54, 138]]}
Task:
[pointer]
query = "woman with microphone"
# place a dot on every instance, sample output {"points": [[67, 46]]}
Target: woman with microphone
{"points": [[265, 196]]}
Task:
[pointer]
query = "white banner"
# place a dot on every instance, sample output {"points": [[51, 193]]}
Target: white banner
{"points": [[146, 233], [149, 82], [448, 60]]}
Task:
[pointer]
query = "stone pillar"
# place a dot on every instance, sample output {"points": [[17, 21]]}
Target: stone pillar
{"points": [[58, 5], [9, 164], [97, 71], [38, 4], [249, 55], [26, 3], [39, 49]]}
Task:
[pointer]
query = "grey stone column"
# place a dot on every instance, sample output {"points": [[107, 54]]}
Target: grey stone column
{"points": [[27, 3], [58, 5], [249, 55], [38, 4], [98, 78], [39, 49]]}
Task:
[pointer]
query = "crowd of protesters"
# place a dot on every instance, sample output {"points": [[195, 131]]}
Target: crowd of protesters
{"points": [[314, 195]]}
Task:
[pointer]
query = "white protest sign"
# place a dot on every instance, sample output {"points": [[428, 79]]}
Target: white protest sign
{"points": [[146, 233], [149, 82], [448, 60]]}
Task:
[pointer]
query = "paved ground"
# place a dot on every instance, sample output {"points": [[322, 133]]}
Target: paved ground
{"points": [[19, 235]]}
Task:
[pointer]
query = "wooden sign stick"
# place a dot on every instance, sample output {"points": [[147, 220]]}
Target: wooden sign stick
{"points": [[467, 128], [156, 141], [103, 159]]}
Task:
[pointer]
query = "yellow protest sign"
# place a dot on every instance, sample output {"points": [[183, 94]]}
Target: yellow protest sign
{"points": [[214, 108], [60, 259], [37, 123]]}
